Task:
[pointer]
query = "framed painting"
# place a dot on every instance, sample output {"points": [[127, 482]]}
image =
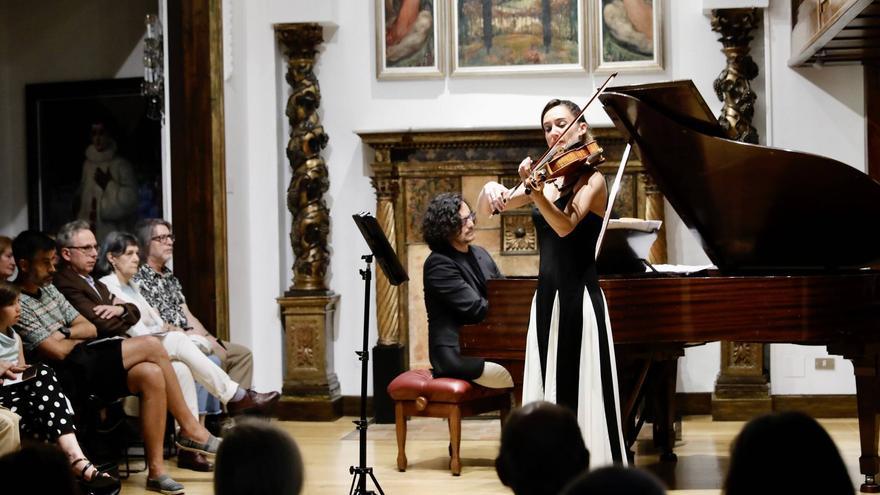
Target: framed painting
{"points": [[92, 154], [627, 35], [517, 36], [410, 39]]}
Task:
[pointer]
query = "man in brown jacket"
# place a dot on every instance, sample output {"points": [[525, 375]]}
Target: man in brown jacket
{"points": [[89, 296]]}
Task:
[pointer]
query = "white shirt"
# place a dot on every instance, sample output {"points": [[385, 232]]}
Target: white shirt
{"points": [[150, 321]]}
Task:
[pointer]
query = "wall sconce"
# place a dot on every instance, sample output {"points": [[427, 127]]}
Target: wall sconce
{"points": [[153, 87]]}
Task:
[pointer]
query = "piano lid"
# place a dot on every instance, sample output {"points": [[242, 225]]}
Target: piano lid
{"points": [[752, 207]]}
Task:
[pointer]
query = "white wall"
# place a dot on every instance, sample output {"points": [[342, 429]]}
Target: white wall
{"points": [[55, 40]]}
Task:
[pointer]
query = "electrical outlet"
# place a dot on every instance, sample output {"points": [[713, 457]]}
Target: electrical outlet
{"points": [[825, 363]]}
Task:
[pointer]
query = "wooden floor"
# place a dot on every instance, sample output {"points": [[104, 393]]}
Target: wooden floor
{"points": [[330, 448]]}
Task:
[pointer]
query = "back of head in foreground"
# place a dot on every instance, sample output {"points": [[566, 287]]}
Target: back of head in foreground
{"points": [[258, 458], [542, 449], [615, 480], [786, 452]]}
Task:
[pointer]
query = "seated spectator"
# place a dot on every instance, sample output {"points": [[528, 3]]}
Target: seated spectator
{"points": [[37, 469], [257, 458], [10, 439], [109, 369], [163, 291], [7, 261], [542, 449], [44, 409], [613, 480], [771, 447]]}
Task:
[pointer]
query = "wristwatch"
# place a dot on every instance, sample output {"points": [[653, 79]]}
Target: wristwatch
{"points": [[65, 331]]}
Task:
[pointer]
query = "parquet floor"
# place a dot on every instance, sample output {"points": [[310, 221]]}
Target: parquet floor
{"points": [[330, 448]]}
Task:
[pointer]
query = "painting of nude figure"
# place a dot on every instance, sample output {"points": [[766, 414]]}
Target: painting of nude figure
{"points": [[409, 39], [626, 35]]}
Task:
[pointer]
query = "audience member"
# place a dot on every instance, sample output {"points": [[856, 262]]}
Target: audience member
{"points": [[163, 291], [7, 261], [542, 449], [257, 458], [38, 398], [106, 368], [119, 256], [10, 439], [37, 469], [613, 480], [771, 447]]}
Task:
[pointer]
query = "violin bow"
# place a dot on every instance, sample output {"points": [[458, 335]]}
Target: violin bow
{"points": [[553, 149]]}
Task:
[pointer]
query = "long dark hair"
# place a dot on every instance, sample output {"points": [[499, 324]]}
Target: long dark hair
{"points": [[441, 220], [115, 243], [784, 443]]}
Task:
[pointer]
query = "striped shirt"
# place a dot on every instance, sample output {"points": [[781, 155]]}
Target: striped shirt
{"points": [[43, 314]]}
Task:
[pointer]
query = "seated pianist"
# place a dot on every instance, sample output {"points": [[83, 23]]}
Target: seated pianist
{"points": [[455, 275]]}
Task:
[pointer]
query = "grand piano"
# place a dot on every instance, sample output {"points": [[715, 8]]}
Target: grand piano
{"points": [[793, 236]]}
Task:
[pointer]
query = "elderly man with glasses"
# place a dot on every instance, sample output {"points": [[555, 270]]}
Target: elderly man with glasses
{"points": [[163, 291]]}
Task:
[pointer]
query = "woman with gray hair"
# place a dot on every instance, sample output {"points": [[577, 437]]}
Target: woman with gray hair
{"points": [[119, 257]]}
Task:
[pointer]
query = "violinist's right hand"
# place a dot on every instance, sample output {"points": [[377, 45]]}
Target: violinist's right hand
{"points": [[525, 168], [496, 195]]}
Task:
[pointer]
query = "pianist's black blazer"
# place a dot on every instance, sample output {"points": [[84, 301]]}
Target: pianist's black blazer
{"points": [[455, 295]]}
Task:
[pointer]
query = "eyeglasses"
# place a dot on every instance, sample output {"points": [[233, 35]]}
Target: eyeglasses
{"points": [[472, 216], [163, 238], [85, 249]]}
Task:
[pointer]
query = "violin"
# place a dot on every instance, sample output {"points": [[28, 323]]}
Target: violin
{"points": [[573, 161]]}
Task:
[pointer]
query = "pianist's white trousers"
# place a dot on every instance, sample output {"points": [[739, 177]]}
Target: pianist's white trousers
{"points": [[591, 406]]}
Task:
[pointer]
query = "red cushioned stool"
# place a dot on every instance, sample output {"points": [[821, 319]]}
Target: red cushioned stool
{"points": [[418, 393]]}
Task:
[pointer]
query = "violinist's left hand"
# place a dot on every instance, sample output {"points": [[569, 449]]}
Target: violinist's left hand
{"points": [[534, 184]]}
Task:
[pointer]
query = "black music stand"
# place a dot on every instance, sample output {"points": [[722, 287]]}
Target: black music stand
{"points": [[387, 259]]}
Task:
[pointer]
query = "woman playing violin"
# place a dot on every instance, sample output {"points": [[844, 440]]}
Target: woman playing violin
{"points": [[569, 350]]}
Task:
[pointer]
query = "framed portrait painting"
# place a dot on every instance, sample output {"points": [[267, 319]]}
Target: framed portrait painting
{"points": [[627, 35], [410, 39], [517, 36], [92, 155]]}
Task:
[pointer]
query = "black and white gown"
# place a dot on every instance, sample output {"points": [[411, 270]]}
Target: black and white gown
{"points": [[569, 350]]}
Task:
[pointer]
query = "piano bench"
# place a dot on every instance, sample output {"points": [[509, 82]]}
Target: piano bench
{"points": [[418, 393]]}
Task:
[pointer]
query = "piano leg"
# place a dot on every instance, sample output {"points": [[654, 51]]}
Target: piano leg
{"points": [[664, 407], [868, 393]]}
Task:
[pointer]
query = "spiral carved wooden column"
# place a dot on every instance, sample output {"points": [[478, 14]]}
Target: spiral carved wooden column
{"points": [[654, 211], [742, 389], [311, 389], [732, 85], [389, 353]]}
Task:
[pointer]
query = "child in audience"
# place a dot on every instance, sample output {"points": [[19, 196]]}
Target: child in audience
{"points": [[35, 394]]}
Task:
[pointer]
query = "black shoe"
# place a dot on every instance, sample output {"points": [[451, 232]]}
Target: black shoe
{"points": [[194, 461], [254, 402]]}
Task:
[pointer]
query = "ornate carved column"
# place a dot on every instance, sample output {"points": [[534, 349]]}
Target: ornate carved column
{"points": [[389, 353], [732, 85], [311, 389], [742, 389]]}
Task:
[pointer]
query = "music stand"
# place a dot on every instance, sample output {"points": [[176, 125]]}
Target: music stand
{"points": [[387, 259]]}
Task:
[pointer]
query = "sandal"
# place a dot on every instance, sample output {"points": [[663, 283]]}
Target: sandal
{"points": [[164, 484], [100, 483], [208, 448]]}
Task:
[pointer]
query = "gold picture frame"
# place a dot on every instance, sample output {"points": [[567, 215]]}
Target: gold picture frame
{"points": [[410, 39], [627, 35], [524, 39]]}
